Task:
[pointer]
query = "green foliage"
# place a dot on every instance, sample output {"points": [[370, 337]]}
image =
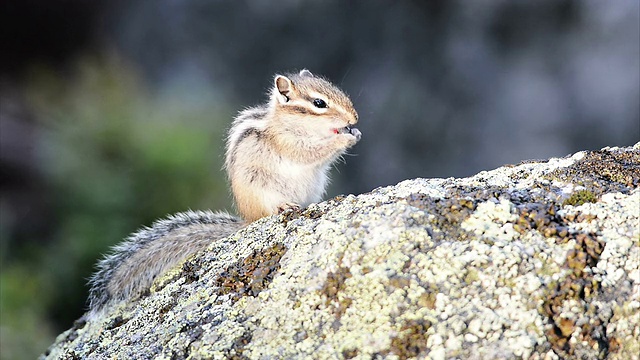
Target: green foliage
{"points": [[24, 333], [115, 157]]}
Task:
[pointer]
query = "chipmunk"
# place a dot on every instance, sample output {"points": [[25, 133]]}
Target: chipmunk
{"points": [[277, 157]]}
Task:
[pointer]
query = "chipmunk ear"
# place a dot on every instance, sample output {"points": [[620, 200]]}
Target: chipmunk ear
{"points": [[305, 72], [284, 86]]}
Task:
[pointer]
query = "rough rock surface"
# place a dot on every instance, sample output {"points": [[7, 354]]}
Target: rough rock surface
{"points": [[538, 261]]}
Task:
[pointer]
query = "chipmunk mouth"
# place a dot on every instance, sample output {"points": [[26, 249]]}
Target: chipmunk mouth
{"points": [[349, 130]]}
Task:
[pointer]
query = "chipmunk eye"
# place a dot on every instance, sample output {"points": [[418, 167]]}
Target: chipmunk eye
{"points": [[319, 103]]}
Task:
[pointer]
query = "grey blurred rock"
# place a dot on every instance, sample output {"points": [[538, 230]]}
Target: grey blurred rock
{"points": [[539, 260]]}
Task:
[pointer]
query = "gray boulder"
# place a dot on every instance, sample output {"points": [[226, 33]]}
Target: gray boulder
{"points": [[539, 260]]}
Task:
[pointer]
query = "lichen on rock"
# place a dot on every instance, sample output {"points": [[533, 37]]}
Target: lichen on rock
{"points": [[509, 263]]}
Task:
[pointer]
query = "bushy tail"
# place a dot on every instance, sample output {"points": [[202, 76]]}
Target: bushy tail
{"points": [[132, 266]]}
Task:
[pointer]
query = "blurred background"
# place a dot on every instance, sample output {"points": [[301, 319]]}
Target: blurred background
{"points": [[113, 113]]}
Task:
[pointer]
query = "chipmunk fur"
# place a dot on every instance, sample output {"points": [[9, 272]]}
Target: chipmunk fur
{"points": [[277, 157]]}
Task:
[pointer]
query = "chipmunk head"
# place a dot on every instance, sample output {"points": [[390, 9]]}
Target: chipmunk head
{"points": [[310, 106]]}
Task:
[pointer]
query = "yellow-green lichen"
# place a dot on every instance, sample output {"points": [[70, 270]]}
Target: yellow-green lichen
{"points": [[580, 197], [393, 274]]}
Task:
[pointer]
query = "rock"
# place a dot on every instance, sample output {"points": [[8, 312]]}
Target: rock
{"points": [[540, 260]]}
